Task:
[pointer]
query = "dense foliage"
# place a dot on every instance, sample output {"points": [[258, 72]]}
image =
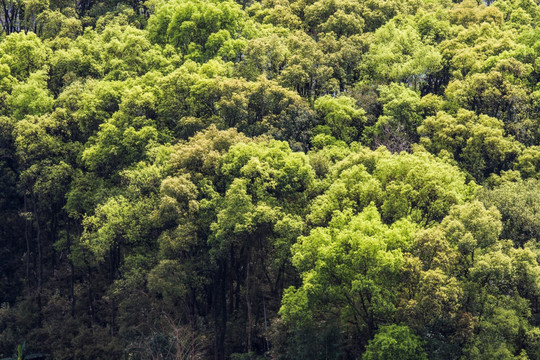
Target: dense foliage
{"points": [[285, 179]]}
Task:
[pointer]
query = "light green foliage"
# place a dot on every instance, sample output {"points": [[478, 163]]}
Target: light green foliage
{"points": [[277, 12], [471, 226], [433, 26], [468, 50], [37, 139], [23, 54], [122, 221], [469, 13], [109, 219], [268, 188], [198, 28], [510, 271], [397, 53], [478, 143], [519, 12], [307, 71], [91, 104], [348, 269], [343, 18], [198, 96], [394, 342], [267, 55], [132, 129], [394, 183], [496, 273], [272, 169], [241, 220], [201, 156], [31, 97], [114, 148], [498, 95], [401, 103], [341, 116], [528, 162], [117, 52], [396, 128]]}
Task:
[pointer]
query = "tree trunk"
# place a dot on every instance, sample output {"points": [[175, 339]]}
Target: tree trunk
{"points": [[248, 303], [72, 270], [220, 310], [27, 240], [40, 256]]}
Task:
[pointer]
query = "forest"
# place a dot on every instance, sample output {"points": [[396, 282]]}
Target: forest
{"points": [[270, 179]]}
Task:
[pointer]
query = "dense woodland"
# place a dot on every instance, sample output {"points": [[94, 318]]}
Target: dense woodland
{"points": [[274, 179]]}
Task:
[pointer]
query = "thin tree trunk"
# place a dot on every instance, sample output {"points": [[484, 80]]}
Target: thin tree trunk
{"points": [[220, 311], [113, 314], [72, 270], [248, 303], [265, 326], [27, 240], [91, 296], [231, 281], [40, 259]]}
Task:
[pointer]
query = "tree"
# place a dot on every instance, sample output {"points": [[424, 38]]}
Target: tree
{"points": [[197, 28], [398, 54], [31, 97], [348, 270], [259, 215], [24, 54], [394, 342], [396, 128], [478, 143], [400, 185], [519, 207], [341, 117]]}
